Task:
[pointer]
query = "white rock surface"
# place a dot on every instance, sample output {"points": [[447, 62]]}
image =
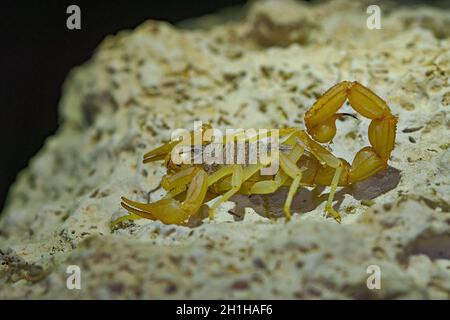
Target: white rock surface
{"points": [[263, 71]]}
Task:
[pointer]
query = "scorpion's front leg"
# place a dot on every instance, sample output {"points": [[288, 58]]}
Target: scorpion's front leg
{"points": [[169, 210]]}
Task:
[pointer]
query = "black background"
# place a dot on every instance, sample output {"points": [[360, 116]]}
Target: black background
{"points": [[38, 51], [280, 309]]}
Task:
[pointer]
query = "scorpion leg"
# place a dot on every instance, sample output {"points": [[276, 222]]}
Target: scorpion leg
{"points": [[238, 176], [327, 159], [270, 186], [237, 179], [291, 169], [334, 184], [220, 174]]}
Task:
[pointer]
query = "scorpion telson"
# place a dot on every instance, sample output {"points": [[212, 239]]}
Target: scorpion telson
{"points": [[303, 161]]}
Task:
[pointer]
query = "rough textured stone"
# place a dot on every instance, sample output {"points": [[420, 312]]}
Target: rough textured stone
{"points": [[262, 71]]}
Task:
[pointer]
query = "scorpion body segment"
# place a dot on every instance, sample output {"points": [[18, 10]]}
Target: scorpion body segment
{"points": [[303, 161]]}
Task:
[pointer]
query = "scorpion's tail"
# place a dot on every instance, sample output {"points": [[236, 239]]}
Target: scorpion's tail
{"points": [[320, 121]]}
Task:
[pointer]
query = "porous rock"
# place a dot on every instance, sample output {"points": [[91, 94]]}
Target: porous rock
{"points": [[261, 71]]}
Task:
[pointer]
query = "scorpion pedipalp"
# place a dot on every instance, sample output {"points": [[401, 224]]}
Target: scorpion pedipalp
{"points": [[170, 210]]}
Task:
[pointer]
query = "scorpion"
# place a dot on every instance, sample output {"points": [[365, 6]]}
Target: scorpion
{"points": [[303, 161]]}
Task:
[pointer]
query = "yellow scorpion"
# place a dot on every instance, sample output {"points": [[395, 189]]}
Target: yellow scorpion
{"points": [[303, 161]]}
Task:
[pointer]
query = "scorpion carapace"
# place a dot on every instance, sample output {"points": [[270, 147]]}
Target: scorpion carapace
{"points": [[303, 161]]}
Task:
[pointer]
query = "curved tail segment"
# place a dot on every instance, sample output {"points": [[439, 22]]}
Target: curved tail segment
{"points": [[320, 122]]}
